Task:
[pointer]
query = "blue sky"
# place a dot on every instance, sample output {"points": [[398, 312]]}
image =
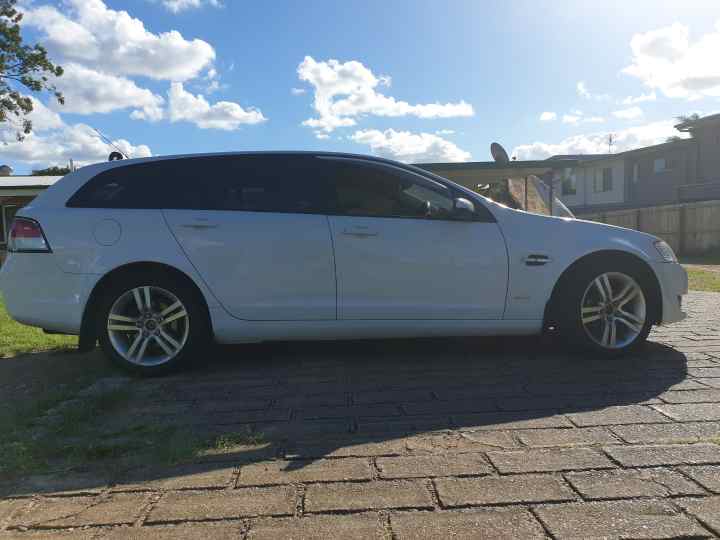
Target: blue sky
{"points": [[413, 80]]}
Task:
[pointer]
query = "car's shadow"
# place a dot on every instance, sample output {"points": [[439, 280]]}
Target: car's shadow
{"points": [[309, 400]]}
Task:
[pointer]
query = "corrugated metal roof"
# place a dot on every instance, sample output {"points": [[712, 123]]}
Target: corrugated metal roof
{"points": [[19, 182]]}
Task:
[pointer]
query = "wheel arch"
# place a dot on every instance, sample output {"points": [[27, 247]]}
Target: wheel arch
{"points": [[88, 328], [552, 316]]}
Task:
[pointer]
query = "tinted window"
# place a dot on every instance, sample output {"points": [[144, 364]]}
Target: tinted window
{"points": [[272, 183], [379, 191]]}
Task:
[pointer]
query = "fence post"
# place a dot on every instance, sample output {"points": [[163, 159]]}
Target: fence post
{"points": [[638, 220], [682, 226]]}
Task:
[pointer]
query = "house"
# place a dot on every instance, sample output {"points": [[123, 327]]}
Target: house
{"points": [[16, 192]]}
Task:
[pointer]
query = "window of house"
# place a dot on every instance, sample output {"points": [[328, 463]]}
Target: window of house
{"points": [[569, 185], [603, 180], [659, 165]]}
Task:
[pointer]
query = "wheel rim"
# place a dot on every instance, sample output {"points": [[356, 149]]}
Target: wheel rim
{"points": [[613, 310], [148, 326]]}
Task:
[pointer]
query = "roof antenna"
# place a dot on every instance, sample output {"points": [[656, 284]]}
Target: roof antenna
{"points": [[611, 140], [108, 141]]}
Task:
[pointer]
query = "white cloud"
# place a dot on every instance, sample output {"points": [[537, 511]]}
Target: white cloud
{"points": [[583, 92], [570, 119], [90, 33], [666, 60], [345, 91], [88, 91], [632, 100], [410, 147], [176, 6], [445, 132], [297, 91], [55, 143], [577, 116], [548, 116], [594, 119], [225, 115], [628, 114], [597, 143]]}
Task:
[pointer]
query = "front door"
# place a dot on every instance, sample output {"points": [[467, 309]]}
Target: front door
{"points": [[400, 253]]}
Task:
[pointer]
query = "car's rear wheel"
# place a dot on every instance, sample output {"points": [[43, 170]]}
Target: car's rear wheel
{"points": [[151, 324], [608, 308]]}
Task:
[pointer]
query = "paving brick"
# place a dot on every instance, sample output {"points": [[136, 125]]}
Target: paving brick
{"points": [[449, 407], [82, 511], [366, 496], [393, 396], [547, 460], [496, 523], [627, 414], [626, 519], [51, 534], [692, 396], [707, 476], [459, 492], [351, 527], [429, 466], [285, 472], [507, 420], [9, 507], [242, 417], [62, 484], [668, 433], [204, 476], [232, 405], [566, 437], [453, 442], [360, 411], [706, 510], [239, 503], [403, 425], [346, 447], [691, 412], [711, 382], [183, 531], [598, 485], [705, 372], [676, 454]]}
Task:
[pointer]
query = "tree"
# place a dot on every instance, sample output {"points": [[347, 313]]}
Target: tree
{"points": [[52, 171], [22, 67]]}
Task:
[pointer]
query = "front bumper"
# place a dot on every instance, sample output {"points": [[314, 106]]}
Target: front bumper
{"points": [[673, 285]]}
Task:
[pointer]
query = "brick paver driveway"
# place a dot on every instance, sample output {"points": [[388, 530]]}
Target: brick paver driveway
{"points": [[433, 439]]}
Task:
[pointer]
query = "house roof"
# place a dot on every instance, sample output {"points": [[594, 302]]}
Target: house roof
{"points": [[689, 125], [662, 146], [578, 157], [27, 182]]}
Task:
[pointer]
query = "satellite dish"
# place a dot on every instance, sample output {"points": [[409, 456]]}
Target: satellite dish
{"points": [[498, 153], [115, 156]]}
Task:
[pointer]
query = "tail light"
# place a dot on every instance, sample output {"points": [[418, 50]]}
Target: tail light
{"points": [[26, 236]]}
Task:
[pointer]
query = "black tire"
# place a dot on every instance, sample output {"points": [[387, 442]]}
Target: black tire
{"points": [[571, 302], [198, 334]]}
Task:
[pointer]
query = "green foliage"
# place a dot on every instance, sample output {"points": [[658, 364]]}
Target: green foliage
{"points": [[22, 67], [52, 171]]}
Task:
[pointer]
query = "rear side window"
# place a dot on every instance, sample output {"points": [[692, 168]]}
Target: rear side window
{"points": [[272, 183]]}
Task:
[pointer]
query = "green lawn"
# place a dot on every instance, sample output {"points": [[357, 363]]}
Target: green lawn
{"points": [[704, 280], [17, 338]]}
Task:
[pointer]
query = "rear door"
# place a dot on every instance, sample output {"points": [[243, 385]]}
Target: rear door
{"points": [[255, 229], [401, 254]]}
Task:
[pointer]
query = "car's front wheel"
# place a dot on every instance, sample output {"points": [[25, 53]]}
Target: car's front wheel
{"points": [[151, 324], [607, 308]]}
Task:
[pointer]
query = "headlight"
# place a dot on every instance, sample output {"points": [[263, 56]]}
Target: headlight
{"points": [[665, 251]]}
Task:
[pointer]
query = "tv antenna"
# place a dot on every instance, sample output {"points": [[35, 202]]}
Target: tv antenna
{"points": [[108, 141], [611, 141]]}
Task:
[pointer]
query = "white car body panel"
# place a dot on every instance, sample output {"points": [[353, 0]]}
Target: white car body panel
{"points": [[261, 266], [391, 268], [461, 289]]}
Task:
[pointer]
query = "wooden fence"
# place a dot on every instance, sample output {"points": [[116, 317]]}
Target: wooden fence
{"points": [[690, 228]]}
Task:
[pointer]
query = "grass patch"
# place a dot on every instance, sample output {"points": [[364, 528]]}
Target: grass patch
{"points": [[703, 280], [17, 338], [228, 441]]}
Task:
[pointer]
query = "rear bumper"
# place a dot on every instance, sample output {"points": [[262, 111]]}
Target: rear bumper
{"points": [[673, 286], [38, 293]]}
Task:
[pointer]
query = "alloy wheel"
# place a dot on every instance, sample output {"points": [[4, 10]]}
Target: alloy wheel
{"points": [[613, 310], [148, 326]]}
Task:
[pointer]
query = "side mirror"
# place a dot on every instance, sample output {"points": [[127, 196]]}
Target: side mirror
{"points": [[463, 208]]}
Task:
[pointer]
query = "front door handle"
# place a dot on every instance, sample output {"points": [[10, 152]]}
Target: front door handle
{"points": [[199, 226], [537, 259], [360, 232]]}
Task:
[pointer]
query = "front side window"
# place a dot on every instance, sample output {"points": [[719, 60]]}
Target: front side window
{"points": [[376, 191]]}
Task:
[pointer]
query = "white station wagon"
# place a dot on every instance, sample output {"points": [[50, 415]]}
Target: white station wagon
{"points": [[153, 258]]}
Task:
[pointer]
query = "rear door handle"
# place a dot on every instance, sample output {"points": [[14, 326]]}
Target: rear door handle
{"points": [[360, 232]]}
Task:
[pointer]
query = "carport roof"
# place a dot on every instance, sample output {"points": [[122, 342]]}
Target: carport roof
{"points": [[27, 182]]}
